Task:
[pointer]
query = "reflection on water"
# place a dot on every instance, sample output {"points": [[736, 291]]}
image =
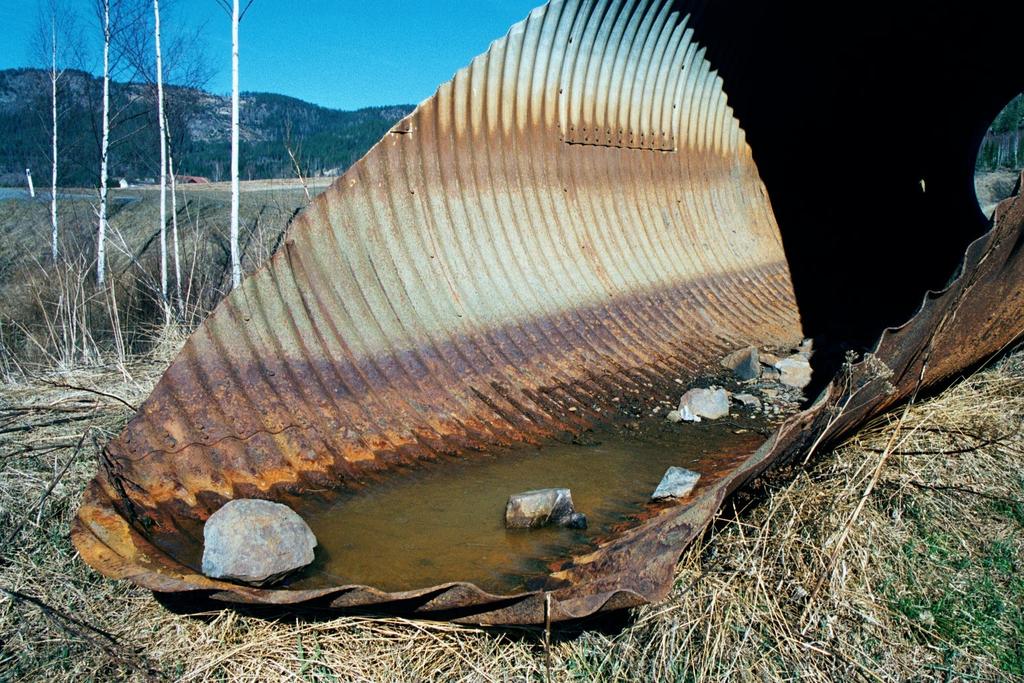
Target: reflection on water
{"points": [[444, 522]]}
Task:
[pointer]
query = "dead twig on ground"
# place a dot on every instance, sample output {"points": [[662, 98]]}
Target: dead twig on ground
{"points": [[99, 638], [7, 542], [96, 392]]}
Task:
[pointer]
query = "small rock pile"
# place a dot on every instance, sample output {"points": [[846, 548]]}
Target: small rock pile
{"points": [[793, 370], [774, 385]]}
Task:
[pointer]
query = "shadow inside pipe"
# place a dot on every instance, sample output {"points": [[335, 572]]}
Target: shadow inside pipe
{"points": [[865, 122]]}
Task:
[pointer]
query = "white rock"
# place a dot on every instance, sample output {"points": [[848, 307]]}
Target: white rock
{"points": [[704, 403], [794, 371], [677, 483]]}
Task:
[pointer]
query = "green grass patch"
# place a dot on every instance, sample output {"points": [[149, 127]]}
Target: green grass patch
{"points": [[971, 596]]}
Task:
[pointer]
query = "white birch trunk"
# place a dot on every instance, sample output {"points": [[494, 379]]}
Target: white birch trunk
{"points": [[104, 146], [163, 157], [53, 140], [174, 227], [236, 266]]}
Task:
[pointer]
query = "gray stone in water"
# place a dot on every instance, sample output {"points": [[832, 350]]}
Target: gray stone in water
{"points": [[677, 483], [544, 507], [674, 416], [794, 371], [704, 403], [256, 542], [745, 364]]}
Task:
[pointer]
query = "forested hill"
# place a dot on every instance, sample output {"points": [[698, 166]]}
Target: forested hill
{"points": [[326, 141]]}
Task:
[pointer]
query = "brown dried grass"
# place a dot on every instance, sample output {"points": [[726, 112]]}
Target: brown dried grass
{"points": [[926, 586]]}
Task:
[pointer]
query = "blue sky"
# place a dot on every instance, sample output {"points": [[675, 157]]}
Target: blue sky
{"points": [[336, 53]]}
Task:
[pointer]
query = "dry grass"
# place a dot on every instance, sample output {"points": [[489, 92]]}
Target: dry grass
{"points": [[52, 315], [928, 585]]}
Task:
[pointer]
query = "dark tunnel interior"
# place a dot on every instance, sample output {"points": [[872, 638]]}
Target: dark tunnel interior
{"points": [[848, 107]]}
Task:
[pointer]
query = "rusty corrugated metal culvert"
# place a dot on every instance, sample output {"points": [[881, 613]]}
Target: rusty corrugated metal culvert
{"points": [[575, 217]]}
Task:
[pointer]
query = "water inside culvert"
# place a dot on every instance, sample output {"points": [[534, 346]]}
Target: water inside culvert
{"points": [[444, 522]]}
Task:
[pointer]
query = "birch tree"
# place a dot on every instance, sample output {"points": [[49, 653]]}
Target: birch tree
{"points": [[117, 19], [101, 234], [56, 43], [237, 13], [162, 125], [236, 263], [177, 57], [54, 76], [174, 229]]}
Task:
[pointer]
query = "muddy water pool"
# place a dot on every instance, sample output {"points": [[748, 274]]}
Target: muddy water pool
{"points": [[444, 522]]}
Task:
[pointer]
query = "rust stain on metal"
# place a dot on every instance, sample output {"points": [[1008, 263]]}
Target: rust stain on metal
{"points": [[477, 275]]}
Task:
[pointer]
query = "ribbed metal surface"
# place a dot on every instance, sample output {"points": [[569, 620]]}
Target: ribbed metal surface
{"points": [[633, 77], [483, 271], [474, 276]]}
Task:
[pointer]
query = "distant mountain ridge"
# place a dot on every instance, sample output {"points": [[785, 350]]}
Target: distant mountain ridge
{"points": [[326, 141]]}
